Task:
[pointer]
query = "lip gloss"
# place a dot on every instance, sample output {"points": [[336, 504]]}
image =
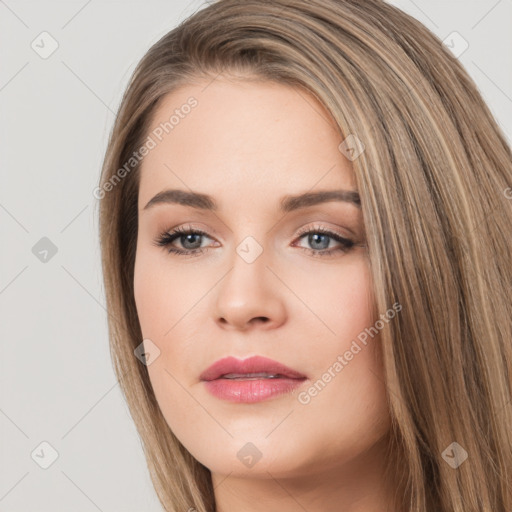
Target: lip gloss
{"points": [[251, 390]]}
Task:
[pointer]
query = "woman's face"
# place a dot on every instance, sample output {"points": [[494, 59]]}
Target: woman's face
{"points": [[266, 283]]}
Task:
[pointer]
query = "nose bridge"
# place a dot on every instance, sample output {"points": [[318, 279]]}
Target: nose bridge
{"points": [[249, 291], [247, 277], [250, 250]]}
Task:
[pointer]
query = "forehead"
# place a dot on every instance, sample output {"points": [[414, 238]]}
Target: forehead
{"points": [[255, 137]]}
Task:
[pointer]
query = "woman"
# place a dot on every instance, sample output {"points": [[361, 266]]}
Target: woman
{"points": [[305, 216]]}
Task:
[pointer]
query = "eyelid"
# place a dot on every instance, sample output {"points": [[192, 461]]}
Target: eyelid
{"points": [[323, 229], [189, 226], [208, 232], [167, 237]]}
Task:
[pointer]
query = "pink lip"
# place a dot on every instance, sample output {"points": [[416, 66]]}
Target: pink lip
{"points": [[254, 364], [249, 390]]}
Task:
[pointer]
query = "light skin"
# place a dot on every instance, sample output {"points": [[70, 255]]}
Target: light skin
{"points": [[247, 145]]}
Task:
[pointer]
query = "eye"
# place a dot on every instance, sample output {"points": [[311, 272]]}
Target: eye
{"points": [[187, 236], [317, 237]]}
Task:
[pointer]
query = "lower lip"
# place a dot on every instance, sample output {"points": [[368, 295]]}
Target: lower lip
{"points": [[247, 391]]}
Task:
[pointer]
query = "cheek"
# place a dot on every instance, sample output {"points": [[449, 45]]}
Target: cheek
{"points": [[162, 300], [344, 350], [171, 314], [339, 298], [163, 295]]}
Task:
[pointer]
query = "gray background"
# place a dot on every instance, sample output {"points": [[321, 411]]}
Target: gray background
{"points": [[57, 382]]}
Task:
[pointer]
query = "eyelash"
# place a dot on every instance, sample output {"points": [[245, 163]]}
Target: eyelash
{"points": [[166, 238]]}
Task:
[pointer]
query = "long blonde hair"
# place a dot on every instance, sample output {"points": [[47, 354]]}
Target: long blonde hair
{"points": [[435, 182]]}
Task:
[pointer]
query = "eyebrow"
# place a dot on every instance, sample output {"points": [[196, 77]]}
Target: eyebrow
{"points": [[287, 203]]}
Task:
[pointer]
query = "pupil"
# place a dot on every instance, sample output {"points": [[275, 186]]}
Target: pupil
{"points": [[187, 236], [315, 236]]}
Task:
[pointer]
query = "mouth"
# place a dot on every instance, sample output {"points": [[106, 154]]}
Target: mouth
{"points": [[250, 380], [255, 367], [252, 376]]}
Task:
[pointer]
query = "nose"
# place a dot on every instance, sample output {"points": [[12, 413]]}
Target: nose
{"points": [[250, 296]]}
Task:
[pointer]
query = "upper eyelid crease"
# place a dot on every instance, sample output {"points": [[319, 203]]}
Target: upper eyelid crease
{"points": [[287, 204]]}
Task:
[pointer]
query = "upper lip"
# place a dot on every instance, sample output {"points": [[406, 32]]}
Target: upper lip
{"points": [[254, 364]]}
